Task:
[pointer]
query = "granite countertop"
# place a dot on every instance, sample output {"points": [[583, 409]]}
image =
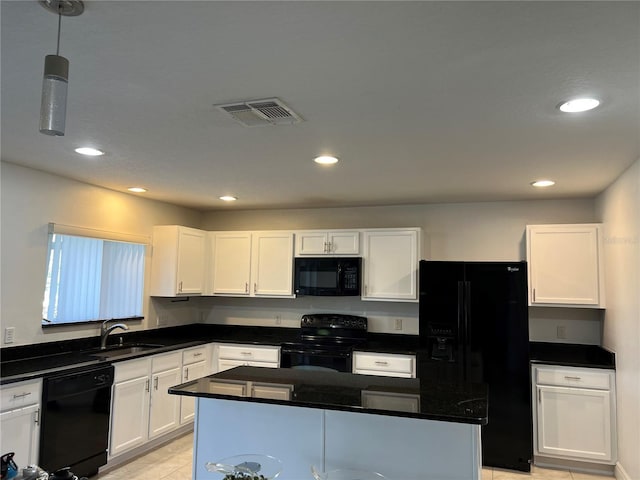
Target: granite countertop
{"points": [[402, 397], [571, 355], [38, 360], [32, 361]]}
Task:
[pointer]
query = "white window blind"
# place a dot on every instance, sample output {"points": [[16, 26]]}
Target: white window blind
{"points": [[92, 279]]}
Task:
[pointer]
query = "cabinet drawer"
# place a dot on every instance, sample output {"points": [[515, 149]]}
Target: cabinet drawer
{"points": [[20, 394], [569, 377], [383, 363], [193, 355], [253, 353], [166, 361], [131, 369]]}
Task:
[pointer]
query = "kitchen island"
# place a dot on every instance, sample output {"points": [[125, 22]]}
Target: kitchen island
{"points": [[406, 429]]}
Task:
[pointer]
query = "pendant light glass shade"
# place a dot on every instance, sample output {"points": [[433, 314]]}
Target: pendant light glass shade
{"points": [[53, 108]]}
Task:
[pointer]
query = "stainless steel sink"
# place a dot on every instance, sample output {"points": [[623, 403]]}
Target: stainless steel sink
{"points": [[120, 350]]}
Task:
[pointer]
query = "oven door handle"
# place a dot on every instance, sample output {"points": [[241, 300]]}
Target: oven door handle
{"points": [[315, 352]]}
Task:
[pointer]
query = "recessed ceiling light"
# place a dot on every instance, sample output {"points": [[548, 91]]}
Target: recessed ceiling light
{"points": [[543, 183], [228, 198], [92, 152], [137, 189], [325, 160], [578, 105]]}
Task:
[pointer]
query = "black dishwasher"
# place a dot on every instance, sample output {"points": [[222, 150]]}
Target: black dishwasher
{"points": [[75, 420]]}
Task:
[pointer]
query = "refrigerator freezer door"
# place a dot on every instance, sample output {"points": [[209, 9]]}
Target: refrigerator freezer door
{"points": [[498, 345], [441, 310]]}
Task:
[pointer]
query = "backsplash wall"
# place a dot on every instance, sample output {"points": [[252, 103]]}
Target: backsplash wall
{"points": [[491, 231]]}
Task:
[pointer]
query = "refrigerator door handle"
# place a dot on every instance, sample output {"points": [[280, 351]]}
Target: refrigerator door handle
{"points": [[467, 310], [460, 316], [461, 346]]}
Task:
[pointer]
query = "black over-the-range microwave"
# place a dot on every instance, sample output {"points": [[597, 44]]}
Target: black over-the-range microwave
{"points": [[327, 276]]}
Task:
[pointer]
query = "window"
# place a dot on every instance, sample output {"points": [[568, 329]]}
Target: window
{"points": [[90, 279]]}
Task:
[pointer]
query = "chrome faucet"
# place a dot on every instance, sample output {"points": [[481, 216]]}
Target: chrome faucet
{"points": [[105, 330]]}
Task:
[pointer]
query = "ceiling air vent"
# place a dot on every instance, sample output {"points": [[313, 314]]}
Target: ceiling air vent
{"points": [[255, 113]]}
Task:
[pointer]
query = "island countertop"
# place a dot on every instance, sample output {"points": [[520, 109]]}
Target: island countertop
{"points": [[400, 397]]}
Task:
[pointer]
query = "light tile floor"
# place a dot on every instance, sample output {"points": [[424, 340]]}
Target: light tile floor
{"points": [[173, 462]]}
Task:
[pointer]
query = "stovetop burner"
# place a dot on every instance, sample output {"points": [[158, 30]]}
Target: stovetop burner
{"points": [[332, 330]]}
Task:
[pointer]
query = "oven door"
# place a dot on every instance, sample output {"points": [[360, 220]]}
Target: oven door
{"points": [[315, 358]]}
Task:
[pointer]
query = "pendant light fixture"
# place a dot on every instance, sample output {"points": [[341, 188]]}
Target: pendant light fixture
{"points": [[53, 109]]}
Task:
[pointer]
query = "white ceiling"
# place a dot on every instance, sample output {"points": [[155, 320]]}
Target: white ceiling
{"points": [[422, 101]]}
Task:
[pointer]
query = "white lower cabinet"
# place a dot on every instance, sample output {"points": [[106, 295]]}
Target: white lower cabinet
{"points": [[384, 364], [574, 413], [141, 407], [230, 356], [20, 420], [130, 405], [164, 410], [195, 364]]}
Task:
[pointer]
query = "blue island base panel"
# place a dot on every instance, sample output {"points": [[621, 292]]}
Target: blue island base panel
{"points": [[399, 448]]}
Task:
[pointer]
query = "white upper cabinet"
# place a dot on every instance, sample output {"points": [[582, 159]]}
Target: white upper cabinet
{"points": [[231, 263], [272, 264], [322, 242], [177, 264], [565, 265], [391, 264], [251, 264]]}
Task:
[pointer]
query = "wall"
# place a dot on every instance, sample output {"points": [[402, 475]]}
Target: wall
{"points": [[619, 209], [475, 231], [471, 231], [29, 201]]}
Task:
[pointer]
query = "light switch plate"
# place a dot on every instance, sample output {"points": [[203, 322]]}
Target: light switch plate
{"points": [[561, 331], [9, 334]]}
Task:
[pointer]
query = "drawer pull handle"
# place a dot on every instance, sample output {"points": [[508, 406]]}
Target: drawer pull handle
{"points": [[381, 363], [197, 354], [246, 353], [21, 395], [568, 377]]}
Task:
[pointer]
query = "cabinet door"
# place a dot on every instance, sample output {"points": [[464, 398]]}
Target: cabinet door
{"points": [[311, 243], [228, 364], [574, 422], [565, 265], [188, 404], [343, 243], [177, 261], [323, 242], [129, 415], [384, 364], [20, 433], [190, 274], [164, 414], [391, 265], [232, 263], [272, 264]]}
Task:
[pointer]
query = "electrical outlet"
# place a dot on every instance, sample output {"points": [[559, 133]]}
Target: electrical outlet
{"points": [[398, 325], [278, 320], [561, 331], [9, 334]]}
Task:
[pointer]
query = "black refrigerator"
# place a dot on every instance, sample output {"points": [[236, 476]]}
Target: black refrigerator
{"points": [[474, 327]]}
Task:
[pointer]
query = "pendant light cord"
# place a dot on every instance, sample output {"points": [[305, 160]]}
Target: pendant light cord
{"points": [[59, 25]]}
